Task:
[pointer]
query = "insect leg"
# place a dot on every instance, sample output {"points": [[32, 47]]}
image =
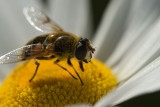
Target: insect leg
{"points": [[81, 65], [56, 62], [35, 71], [69, 62]]}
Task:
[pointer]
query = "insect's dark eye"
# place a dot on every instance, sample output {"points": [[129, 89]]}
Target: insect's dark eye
{"points": [[81, 51]]}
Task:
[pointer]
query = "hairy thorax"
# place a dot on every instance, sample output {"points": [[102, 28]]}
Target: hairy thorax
{"points": [[62, 45]]}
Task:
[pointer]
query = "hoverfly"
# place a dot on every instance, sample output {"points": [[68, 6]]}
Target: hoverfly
{"points": [[57, 44]]}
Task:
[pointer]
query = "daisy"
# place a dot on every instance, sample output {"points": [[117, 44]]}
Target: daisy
{"points": [[128, 35]]}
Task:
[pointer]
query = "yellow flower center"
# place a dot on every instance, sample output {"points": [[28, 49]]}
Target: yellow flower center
{"points": [[53, 86]]}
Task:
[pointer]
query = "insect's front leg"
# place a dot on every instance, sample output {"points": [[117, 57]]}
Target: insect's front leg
{"points": [[69, 63], [37, 63], [56, 62], [81, 65]]}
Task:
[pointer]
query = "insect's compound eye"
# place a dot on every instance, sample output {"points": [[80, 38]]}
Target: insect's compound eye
{"points": [[81, 51]]}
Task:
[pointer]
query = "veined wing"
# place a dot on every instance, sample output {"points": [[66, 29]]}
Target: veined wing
{"points": [[40, 20], [18, 54]]}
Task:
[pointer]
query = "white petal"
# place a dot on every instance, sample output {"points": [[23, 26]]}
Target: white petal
{"points": [[145, 81], [72, 15], [4, 71], [14, 32], [111, 28], [79, 105], [143, 14], [145, 49]]}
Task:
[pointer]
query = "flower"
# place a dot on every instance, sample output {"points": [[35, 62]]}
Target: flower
{"points": [[128, 35], [53, 86]]}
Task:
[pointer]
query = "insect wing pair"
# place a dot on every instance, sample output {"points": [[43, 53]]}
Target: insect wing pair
{"points": [[38, 20]]}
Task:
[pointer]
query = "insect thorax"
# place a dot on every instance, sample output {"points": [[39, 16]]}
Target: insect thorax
{"points": [[61, 45], [64, 45]]}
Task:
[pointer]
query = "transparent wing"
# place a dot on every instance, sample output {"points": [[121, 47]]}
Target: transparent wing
{"points": [[18, 54], [40, 21]]}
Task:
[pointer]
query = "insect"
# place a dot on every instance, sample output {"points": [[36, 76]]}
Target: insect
{"points": [[57, 44]]}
